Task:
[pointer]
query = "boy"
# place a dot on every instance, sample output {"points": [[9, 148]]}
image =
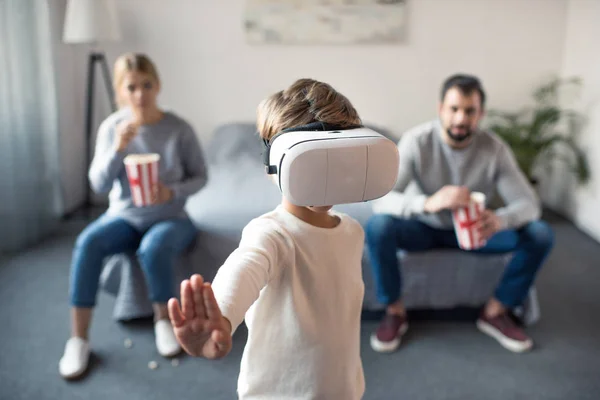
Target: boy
{"points": [[295, 278]]}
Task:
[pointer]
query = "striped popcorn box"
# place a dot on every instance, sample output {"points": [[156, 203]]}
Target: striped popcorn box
{"points": [[142, 172], [464, 222]]}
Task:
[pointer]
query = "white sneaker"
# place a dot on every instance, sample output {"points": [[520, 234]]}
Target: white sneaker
{"points": [[75, 360], [166, 343]]}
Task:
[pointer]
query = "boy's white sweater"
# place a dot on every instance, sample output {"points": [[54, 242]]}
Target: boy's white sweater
{"points": [[300, 290]]}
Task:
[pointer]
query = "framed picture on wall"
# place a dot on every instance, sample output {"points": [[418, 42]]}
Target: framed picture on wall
{"points": [[325, 21]]}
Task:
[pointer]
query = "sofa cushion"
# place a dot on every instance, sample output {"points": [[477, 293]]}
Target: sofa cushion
{"points": [[232, 141]]}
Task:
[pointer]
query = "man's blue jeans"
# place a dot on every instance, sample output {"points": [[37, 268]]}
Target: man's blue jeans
{"points": [[157, 250], [385, 234]]}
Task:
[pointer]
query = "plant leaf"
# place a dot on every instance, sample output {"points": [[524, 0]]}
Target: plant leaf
{"points": [[543, 118], [581, 167]]}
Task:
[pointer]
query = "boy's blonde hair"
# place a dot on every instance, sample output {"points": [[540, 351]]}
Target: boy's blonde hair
{"points": [[304, 102], [132, 62]]}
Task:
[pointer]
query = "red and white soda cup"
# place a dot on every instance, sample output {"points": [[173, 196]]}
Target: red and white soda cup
{"points": [[465, 219], [142, 172]]}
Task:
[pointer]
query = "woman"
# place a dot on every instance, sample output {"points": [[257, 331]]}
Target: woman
{"points": [[158, 232]]}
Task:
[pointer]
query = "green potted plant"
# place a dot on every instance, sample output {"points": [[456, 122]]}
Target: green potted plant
{"points": [[537, 133]]}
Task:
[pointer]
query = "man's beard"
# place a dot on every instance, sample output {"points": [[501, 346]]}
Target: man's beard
{"points": [[458, 138]]}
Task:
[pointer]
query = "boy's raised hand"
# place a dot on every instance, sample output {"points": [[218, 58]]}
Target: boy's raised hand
{"points": [[199, 325]]}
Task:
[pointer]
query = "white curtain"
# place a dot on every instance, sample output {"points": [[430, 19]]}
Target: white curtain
{"points": [[30, 191]]}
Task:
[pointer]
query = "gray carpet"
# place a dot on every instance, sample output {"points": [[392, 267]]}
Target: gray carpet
{"points": [[439, 360]]}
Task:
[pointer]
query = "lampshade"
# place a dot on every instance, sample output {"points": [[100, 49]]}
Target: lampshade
{"points": [[91, 21]]}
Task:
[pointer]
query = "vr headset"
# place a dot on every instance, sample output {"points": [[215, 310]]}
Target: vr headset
{"points": [[322, 165]]}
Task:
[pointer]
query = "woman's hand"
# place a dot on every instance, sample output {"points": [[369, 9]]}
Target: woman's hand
{"points": [[161, 195], [126, 131], [199, 326]]}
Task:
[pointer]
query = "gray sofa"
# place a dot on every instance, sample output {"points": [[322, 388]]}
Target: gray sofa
{"points": [[238, 190]]}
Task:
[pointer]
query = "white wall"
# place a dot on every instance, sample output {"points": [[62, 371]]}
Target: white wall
{"points": [[582, 58], [210, 76]]}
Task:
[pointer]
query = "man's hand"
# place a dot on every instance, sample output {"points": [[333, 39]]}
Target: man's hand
{"points": [[488, 224], [162, 195], [448, 198], [199, 326]]}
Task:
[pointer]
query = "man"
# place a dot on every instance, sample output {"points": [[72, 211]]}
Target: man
{"points": [[441, 163]]}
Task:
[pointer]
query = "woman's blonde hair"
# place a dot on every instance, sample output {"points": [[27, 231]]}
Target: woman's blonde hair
{"points": [[304, 102], [129, 62]]}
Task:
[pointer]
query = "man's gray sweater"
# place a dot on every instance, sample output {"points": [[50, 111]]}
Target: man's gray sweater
{"points": [[486, 165]]}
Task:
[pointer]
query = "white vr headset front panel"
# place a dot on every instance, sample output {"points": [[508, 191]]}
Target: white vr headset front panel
{"points": [[326, 168]]}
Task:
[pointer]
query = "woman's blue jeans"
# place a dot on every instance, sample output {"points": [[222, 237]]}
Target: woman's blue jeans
{"points": [[156, 249]]}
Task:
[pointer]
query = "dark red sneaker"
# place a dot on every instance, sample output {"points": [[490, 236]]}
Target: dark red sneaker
{"points": [[389, 334], [506, 331]]}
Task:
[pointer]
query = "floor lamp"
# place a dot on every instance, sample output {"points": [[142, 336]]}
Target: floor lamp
{"points": [[92, 22]]}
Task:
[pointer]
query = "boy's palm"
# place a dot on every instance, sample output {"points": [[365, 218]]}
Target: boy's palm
{"points": [[199, 325]]}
